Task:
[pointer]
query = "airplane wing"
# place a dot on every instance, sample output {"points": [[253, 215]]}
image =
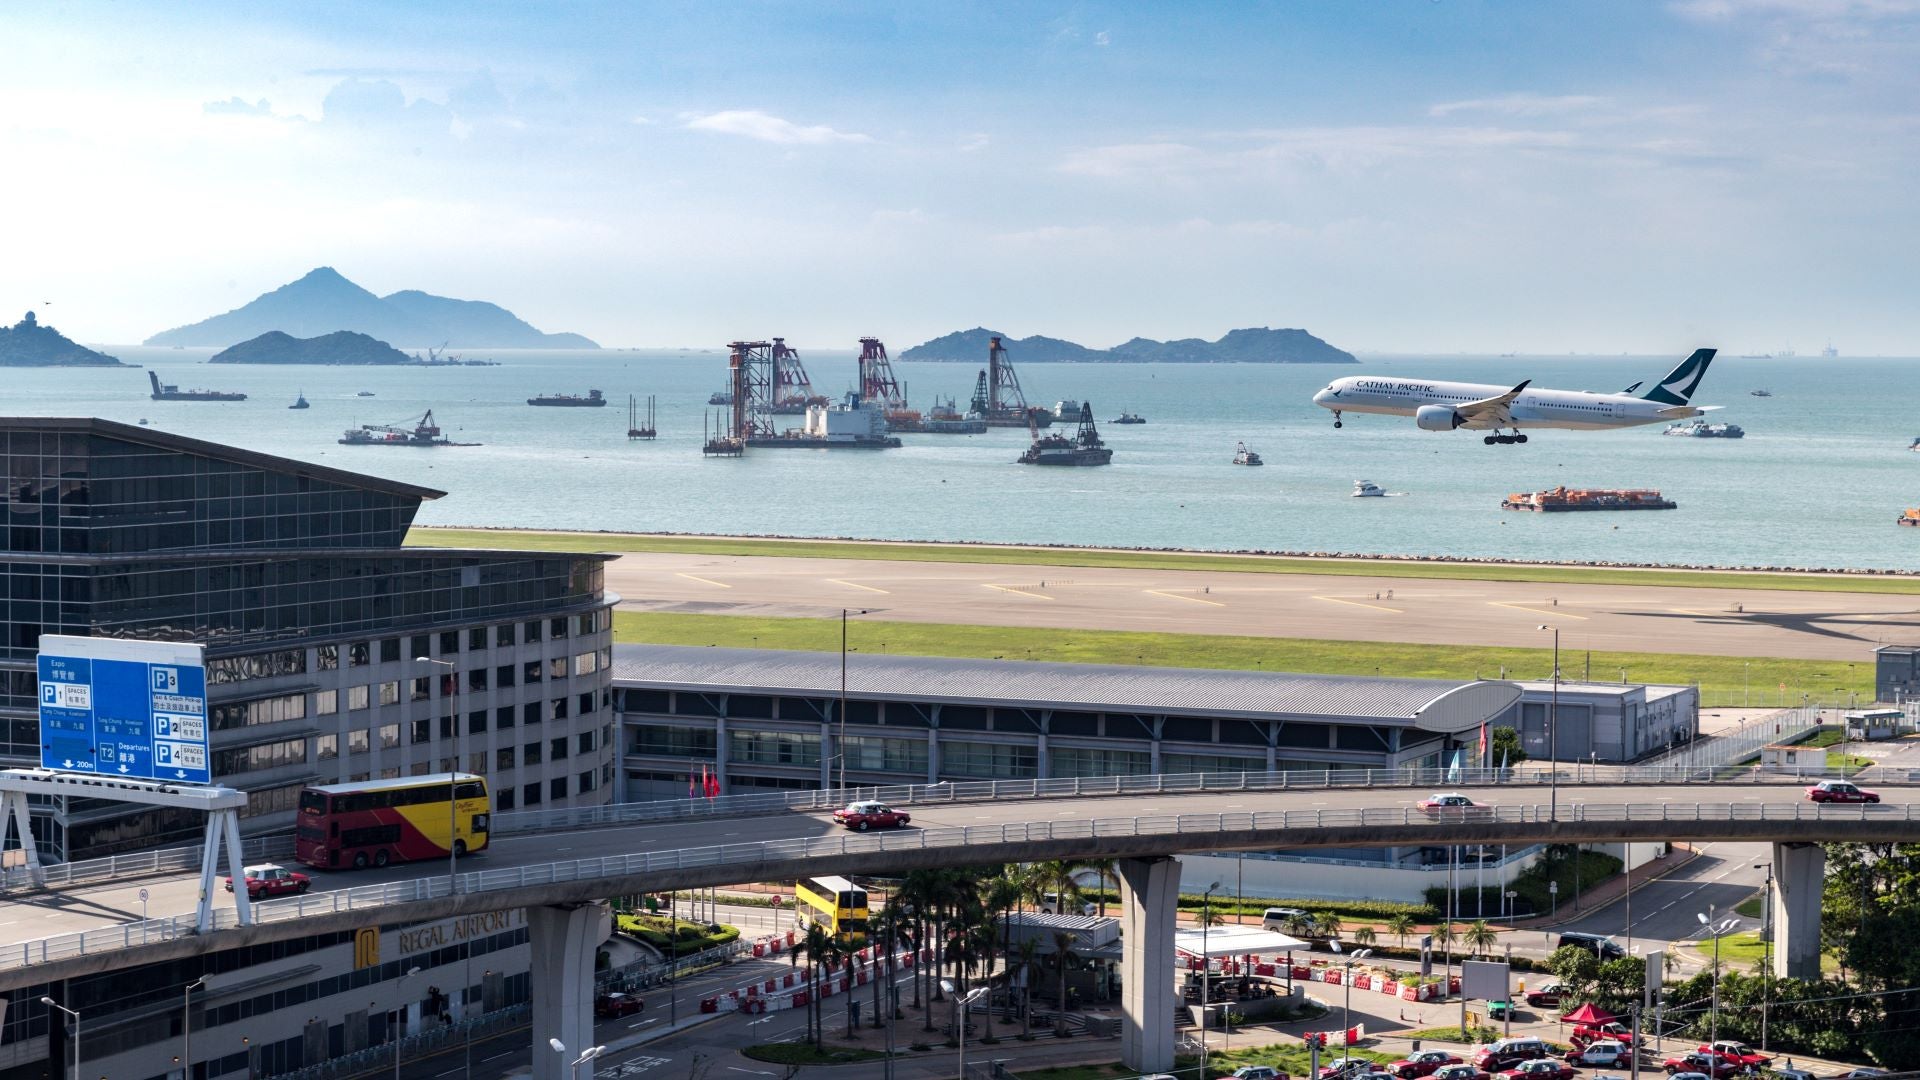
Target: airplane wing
{"points": [[1493, 408]]}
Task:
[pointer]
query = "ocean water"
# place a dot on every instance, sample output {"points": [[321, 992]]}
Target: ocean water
{"points": [[1818, 480]]}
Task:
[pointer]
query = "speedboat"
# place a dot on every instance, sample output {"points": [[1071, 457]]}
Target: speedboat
{"points": [[1244, 456], [1367, 489]]}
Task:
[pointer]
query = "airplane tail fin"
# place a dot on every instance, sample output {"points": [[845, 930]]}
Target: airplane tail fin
{"points": [[1678, 387]]}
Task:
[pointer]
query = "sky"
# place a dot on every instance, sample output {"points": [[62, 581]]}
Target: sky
{"points": [[1395, 175]]}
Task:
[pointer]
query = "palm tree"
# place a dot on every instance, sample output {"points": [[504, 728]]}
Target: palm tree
{"points": [[1444, 936], [1107, 869], [1029, 967], [1480, 938], [1062, 949], [997, 897], [1401, 926], [1329, 924], [1364, 937], [1057, 876], [821, 947], [1299, 924], [1209, 916]]}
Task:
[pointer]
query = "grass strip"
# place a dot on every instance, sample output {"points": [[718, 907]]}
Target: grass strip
{"points": [[1358, 566], [1723, 674]]}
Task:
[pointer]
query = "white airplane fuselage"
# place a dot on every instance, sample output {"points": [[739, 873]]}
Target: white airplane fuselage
{"points": [[1579, 410]]}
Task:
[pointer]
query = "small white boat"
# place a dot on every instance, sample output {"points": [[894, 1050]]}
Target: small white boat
{"points": [[1367, 489], [1244, 456]]}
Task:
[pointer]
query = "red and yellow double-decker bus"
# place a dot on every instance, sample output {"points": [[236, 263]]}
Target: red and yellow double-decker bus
{"points": [[376, 822]]}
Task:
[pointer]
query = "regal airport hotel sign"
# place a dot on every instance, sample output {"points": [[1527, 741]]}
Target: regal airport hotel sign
{"points": [[132, 709], [371, 944]]}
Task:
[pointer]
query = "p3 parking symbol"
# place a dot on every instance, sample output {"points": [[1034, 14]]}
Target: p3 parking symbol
{"points": [[166, 680]]}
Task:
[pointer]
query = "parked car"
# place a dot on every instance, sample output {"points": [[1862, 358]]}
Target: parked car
{"points": [[1714, 1065], [617, 1004], [1451, 803], [1539, 1069], [272, 879], [1605, 1053], [1422, 1063], [1599, 945], [1459, 1072], [1689, 1076], [1544, 996], [1499, 1010], [871, 815], [1738, 1051], [1613, 1031], [1258, 1072], [1841, 791], [1505, 1054], [1345, 1067]]}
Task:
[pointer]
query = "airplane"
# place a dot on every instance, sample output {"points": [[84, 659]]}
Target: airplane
{"points": [[1445, 406]]}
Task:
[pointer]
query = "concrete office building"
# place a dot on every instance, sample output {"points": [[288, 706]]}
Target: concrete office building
{"points": [[1896, 673], [312, 613]]}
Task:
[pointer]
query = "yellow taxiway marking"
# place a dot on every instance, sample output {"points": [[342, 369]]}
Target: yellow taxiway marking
{"points": [[1554, 612], [1017, 592], [702, 580], [1180, 596], [855, 585], [1356, 603]]}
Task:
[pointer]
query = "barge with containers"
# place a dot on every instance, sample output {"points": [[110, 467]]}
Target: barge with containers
{"points": [[1564, 499]]}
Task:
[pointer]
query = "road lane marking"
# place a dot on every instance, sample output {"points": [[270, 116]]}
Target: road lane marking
{"points": [[1017, 592], [1178, 596], [702, 580], [857, 585], [1356, 603], [1555, 612]]}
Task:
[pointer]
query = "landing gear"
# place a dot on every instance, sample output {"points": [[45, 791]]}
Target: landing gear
{"points": [[1516, 437], [1336, 418]]}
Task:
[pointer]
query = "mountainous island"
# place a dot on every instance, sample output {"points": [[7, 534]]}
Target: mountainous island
{"points": [[339, 347], [28, 344], [324, 301], [1258, 345]]}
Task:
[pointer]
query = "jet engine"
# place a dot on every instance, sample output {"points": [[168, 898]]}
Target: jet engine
{"points": [[1437, 418]]}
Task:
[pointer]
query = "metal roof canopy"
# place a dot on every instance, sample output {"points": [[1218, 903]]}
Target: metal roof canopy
{"points": [[1230, 941], [221, 804], [1438, 705]]}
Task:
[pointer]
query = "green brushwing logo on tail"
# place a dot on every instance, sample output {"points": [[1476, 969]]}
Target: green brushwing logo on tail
{"points": [[1678, 387]]}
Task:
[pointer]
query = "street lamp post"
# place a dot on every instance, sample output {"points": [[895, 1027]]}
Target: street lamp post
{"points": [[1206, 970], [1346, 1013], [573, 1067], [1713, 1022], [1766, 935], [400, 1010], [453, 840], [1553, 732], [961, 1003], [840, 740], [75, 1015], [186, 1027]]}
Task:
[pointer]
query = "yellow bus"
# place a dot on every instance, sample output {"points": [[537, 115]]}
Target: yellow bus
{"points": [[836, 904]]}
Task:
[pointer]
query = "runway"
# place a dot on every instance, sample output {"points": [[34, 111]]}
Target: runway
{"points": [[1355, 607]]}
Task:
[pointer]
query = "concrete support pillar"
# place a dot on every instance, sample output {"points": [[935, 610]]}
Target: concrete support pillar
{"points": [[563, 941], [933, 755], [827, 751], [1799, 871], [720, 754], [1149, 901], [1043, 765], [313, 1043]]}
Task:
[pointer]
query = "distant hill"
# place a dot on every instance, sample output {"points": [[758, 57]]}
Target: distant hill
{"points": [[339, 347], [28, 344], [1258, 345], [324, 301]]}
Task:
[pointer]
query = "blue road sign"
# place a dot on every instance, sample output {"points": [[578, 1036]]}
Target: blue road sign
{"points": [[123, 708]]}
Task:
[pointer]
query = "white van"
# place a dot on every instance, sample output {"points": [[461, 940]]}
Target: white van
{"points": [[1050, 905], [1276, 918]]}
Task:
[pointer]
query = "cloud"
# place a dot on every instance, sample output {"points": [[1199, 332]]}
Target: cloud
{"points": [[754, 124], [1103, 38], [1521, 104], [1811, 9], [975, 142], [233, 106]]}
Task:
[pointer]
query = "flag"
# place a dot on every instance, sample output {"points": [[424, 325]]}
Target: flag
{"points": [[713, 784], [1453, 770], [1483, 746], [692, 784], [706, 782]]}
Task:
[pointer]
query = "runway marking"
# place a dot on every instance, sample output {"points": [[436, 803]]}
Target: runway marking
{"points": [[1695, 614], [706, 581], [857, 585], [1555, 612], [1178, 596], [1356, 603], [1016, 592]]}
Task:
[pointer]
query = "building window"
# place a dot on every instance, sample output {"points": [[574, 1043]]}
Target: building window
{"points": [[449, 642], [476, 721], [557, 787], [530, 673], [586, 703], [357, 741], [532, 753], [503, 799], [530, 794], [585, 742], [477, 763], [1000, 761], [357, 697], [1203, 763], [389, 736], [327, 657], [503, 676], [357, 654], [503, 717], [227, 716], [585, 782], [557, 668], [559, 708], [419, 645], [276, 800], [533, 630], [887, 755], [1082, 761], [773, 748], [477, 679], [326, 747], [390, 650], [585, 663], [271, 755], [476, 638], [503, 758], [557, 748], [326, 703], [419, 689], [390, 693], [390, 774], [557, 628], [503, 635], [680, 742]]}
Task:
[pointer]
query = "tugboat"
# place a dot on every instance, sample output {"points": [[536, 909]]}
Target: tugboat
{"points": [[1130, 418], [423, 433], [1700, 429], [1244, 456], [594, 400], [1367, 489], [299, 401], [1085, 448], [364, 393]]}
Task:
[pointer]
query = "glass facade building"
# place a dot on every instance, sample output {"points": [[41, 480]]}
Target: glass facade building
{"points": [[313, 615]]}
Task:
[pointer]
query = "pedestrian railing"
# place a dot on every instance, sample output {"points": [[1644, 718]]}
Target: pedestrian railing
{"points": [[422, 1044], [137, 864], [1742, 742], [731, 862]]}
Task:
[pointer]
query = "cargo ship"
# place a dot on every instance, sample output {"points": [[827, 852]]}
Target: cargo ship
{"points": [[170, 392], [945, 418], [853, 425], [423, 433], [1085, 448], [594, 400], [1560, 499], [1700, 429]]}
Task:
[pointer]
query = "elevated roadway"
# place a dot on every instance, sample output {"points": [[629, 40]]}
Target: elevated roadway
{"points": [[61, 933]]}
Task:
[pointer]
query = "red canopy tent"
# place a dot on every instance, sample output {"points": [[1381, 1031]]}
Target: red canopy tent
{"points": [[1590, 1015]]}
